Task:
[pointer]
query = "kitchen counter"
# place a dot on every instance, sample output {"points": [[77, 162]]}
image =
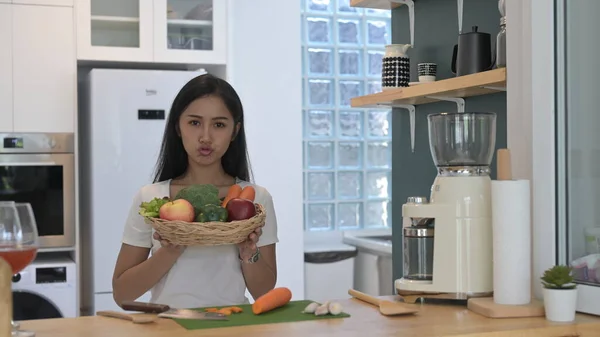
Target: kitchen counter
{"points": [[432, 320], [378, 242]]}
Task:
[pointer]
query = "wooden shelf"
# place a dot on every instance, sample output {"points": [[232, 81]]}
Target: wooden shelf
{"points": [[189, 23], [114, 22], [483, 83], [376, 4]]}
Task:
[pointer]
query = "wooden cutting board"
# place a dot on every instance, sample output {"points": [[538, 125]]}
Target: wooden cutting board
{"points": [[292, 312], [485, 306]]}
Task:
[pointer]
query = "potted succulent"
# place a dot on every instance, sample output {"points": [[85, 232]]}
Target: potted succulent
{"points": [[560, 294]]}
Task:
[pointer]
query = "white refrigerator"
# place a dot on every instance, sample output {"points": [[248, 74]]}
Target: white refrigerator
{"points": [[122, 116]]}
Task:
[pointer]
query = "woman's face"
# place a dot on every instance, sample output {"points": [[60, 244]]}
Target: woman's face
{"points": [[207, 128]]}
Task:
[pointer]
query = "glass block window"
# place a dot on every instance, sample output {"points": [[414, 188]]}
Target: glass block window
{"points": [[347, 151]]}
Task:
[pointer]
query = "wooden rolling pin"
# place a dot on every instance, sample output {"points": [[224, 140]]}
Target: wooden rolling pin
{"points": [[6, 306], [503, 165]]}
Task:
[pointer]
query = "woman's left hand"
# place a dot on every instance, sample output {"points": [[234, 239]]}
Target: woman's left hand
{"points": [[248, 247]]}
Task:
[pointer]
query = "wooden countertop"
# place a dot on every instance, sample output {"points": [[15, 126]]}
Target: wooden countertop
{"points": [[432, 320]]}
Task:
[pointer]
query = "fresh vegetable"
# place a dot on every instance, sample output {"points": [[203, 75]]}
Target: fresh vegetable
{"points": [[248, 193], [240, 209], [322, 310], [236, 309], [310, 309], [151, 208], [179, 209], [234, 192], [332, 308], [335, 308], [199, 196], [275, 298], [212, 212], [226, 310]]}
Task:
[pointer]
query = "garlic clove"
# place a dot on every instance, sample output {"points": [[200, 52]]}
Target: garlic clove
{"points": [[322, 310], [311, 308], [335, 308]]}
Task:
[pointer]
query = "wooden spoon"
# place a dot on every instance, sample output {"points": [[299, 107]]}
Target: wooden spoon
{"points": [[140, 319], [387, 308]]}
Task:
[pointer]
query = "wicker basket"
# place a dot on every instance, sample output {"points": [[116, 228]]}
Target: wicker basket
{"points": [[208, 233]]}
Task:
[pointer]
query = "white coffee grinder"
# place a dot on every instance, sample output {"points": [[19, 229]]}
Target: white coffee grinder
{"points": [[448, 239]]}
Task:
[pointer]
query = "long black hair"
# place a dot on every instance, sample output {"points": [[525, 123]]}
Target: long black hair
{"points": [[173, 160]]}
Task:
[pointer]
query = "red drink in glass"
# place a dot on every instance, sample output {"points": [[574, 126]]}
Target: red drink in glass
{"points": [[18, 257]]}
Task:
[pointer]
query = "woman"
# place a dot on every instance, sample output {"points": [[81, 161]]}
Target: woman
{"points": [[204, 143]]}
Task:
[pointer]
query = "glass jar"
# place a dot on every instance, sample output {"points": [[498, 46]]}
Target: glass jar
{"points": [[418, 253], [501, 44]]}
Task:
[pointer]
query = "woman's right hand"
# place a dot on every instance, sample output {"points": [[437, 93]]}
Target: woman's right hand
{"points": [[168, 245]]}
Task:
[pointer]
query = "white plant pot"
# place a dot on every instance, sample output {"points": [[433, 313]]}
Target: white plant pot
{"points": [[560, 304]]}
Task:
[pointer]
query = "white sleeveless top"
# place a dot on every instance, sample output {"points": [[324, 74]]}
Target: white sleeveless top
{"points": [[202, 276]]}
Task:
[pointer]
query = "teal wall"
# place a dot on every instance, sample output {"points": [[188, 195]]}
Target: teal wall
{"points": [[436, 33]]}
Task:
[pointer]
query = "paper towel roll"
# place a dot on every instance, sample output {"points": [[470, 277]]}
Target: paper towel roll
{"points": [[511, 227]]}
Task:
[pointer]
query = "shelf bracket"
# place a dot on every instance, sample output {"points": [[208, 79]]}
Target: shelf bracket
{"points": [[411, 114], [495, 88], [460, 102], [411, 17]]}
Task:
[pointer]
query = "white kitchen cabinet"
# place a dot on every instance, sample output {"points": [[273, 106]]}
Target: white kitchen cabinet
{"points": [[44, 69], [161, 31], [188, 31], [6, 95], [67, 3], [114, 30], [373, 273]]}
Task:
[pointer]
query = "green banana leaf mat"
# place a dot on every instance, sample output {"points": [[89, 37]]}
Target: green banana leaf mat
{"points": [[291, 312]]}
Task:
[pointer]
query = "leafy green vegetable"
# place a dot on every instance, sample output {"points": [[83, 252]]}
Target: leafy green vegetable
{"points": [[199, 196], [150, 209], [212, 212]]}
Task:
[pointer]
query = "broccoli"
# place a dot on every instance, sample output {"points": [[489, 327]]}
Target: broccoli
{"points": [[199, 196], [212, 213]]}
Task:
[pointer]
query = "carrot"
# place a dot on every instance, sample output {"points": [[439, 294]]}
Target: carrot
{"points": [[236, 309], [248, 193], [225, 311], [275, 298], [234, 192], [211, 309]]}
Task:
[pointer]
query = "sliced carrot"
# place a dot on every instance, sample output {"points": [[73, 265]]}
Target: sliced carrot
{"points": [[248, 193], [234, 192], [225, 311], [236, 309], [211, 309], [275, 298]]}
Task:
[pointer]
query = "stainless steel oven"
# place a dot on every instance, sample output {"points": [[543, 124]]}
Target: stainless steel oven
{"points": [[38, 168]]}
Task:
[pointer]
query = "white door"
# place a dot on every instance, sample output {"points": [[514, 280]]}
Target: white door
{"points": [[44, 69], [114, 30], [6, 69], [190, 31], [129, 112]]}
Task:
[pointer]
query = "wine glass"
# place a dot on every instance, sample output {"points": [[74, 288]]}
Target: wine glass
{"points": [[18, 242]]}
